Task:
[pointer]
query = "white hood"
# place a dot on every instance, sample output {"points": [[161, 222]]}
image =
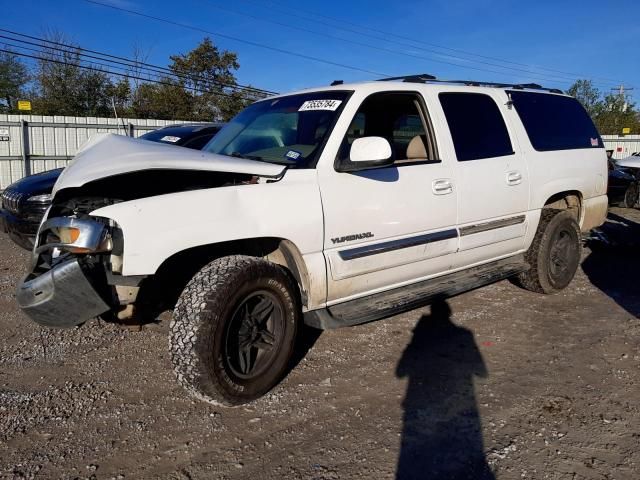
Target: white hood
{"points": [[106, 155], [632, 161]]}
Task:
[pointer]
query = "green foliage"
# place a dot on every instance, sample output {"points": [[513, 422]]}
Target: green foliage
{"points": [[209, 74], [587, 94], [13, 80], [201, 88], [611, 112]]}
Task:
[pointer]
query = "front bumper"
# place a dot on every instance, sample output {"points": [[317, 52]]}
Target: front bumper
{"points": [[62, 297], [20, 231]]}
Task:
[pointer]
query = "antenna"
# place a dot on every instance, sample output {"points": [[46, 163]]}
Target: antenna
{"points": [[115, 112]]}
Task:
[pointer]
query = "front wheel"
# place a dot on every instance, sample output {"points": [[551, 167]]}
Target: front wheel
{"points": [[234, 329], [631, 196], [554, 255]]}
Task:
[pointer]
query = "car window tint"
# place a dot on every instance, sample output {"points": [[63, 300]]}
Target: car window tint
{"points": [[197, 143], [555, 122], [476, 125]]}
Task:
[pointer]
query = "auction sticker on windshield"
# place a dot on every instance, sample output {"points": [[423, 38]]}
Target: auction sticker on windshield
{"points": [[309, 105], [169, 138]]}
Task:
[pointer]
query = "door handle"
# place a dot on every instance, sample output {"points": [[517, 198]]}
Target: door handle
{"points": [[442, 186], [514, 178]]}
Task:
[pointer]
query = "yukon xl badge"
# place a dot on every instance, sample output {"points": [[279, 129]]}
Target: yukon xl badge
{"points": [[350, 238]]}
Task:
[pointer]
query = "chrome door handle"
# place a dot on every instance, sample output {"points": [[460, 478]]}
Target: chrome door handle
{"points": [[442, 186], [514, 178]]}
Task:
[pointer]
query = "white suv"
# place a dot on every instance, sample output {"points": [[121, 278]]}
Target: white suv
{"points": [[333, 206]]}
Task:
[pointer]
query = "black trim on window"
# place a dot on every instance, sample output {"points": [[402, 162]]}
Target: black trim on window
{"points": [[423, 111]]}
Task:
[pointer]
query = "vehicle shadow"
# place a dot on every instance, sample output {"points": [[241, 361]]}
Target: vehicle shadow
{"points": [[613, 265], [442, 431]]}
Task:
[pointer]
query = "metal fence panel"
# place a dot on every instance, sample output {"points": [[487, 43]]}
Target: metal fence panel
{"points": [[622, 146], [54, 140]]}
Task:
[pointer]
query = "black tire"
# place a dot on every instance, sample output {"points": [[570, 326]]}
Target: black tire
{"points": [[234, 330], [554, 255], [631, 196]]}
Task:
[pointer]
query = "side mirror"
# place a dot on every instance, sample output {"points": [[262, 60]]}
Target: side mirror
{"points": [[367, 153]]}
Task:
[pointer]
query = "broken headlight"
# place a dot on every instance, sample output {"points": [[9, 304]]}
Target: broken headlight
{"points": [[74, 235]]}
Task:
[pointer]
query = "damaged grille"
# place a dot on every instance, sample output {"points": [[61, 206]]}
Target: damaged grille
{"points": [[11, 200]]}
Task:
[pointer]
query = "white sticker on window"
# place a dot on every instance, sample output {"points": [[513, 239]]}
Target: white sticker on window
{"points": [[320, 105], [169, 138]]}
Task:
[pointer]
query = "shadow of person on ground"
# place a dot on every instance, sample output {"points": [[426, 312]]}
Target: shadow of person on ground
{"points": [[613, 265], [442, 432]]}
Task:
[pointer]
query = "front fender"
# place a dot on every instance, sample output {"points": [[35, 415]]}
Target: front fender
{"points": [[156, 228]]}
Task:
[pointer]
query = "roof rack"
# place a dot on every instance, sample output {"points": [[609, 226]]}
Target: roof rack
{"points": [[426, 78], [420, 78]]}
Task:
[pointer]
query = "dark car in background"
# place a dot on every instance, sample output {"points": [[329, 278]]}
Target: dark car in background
{"points": [[624, 180], [24, 202]]}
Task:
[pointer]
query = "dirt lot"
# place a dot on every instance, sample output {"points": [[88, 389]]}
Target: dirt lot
{"points": [[500, 383]]}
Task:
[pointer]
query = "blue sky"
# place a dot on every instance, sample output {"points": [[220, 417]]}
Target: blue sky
{"points": [[581, 38]]}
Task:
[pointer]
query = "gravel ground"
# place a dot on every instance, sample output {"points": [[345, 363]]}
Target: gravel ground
{"points": [[497, 383]]}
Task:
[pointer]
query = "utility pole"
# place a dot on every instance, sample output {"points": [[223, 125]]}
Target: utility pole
{"points": [[621, 91]]}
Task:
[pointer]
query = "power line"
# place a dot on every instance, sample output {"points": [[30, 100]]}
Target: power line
{"points": [[92, 65], [236, 39], [131, 63], [125, 75], [549, 77], [391, 34]]}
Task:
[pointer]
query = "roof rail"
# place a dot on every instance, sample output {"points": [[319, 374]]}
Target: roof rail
{"points": [[426, 78], [420, 78]]}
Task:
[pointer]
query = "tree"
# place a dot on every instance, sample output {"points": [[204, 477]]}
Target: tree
{"points": [[13, 80], [618, 112], [209, 74], [57, 76], [168, 100], [65, 87], [587, 94], [610, 114]]}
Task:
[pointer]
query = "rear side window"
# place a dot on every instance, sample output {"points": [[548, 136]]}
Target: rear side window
{"points": [[554, 122], [476, 124]]}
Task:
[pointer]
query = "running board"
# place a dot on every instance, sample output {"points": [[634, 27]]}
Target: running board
{"points": [[402, 299]]}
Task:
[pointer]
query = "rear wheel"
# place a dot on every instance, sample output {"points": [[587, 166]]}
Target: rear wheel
{"points": [[233, 330], [555, 253]]}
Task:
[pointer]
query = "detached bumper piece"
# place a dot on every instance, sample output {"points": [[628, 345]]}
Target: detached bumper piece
{"points": [[62, 297]]}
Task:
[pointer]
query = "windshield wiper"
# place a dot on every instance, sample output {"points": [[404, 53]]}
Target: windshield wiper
{"points": [[248, 157]]}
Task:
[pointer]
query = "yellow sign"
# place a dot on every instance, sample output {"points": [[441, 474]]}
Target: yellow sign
{"points": [[626, 130], [24, 105]]}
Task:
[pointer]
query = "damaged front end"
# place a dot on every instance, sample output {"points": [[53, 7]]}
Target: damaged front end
{"points": [[73, 260], [77, 267]]}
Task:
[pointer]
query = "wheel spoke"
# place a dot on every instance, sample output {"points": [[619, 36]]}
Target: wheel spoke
{"points": [[563, 245], [265, 341], [262, 311], [253, 336], [245, 359]]}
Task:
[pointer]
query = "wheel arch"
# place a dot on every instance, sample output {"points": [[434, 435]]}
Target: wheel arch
{"points": [[571, 200], [175, 271]]}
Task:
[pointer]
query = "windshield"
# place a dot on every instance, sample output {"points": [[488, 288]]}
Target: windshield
{"points": [[287, 130]]}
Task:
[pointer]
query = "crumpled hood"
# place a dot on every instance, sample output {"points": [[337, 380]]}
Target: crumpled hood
{"points": [[632, 162], [106, 155]]}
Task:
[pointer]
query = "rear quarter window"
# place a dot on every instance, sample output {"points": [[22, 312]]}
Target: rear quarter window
{"points": [[555, 122]]}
